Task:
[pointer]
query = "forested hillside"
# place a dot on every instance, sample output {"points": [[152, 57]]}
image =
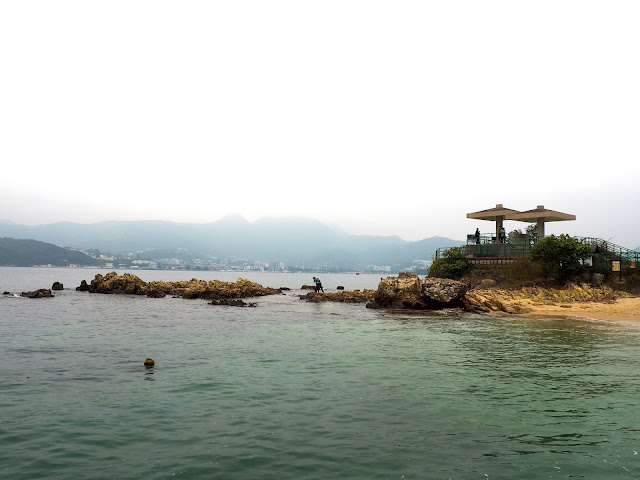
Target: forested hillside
{"points": [[25, 253]]}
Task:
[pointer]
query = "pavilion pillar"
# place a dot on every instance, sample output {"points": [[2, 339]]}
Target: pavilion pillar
{"points": [[540, 227]]}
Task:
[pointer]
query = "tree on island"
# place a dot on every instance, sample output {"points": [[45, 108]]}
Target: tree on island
{"points": [[453, 264], [563, 256]]}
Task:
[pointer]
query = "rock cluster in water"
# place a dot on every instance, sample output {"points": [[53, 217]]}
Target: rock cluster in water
{"points": [[232, 302], [57, 286], [345, 296], [130, 284], [407, 291], [40, 293]]}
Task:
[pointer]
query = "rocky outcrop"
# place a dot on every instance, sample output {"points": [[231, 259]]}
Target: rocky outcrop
{"points": [[523, 300], [346, 296], [117, 284], [40, 293], [130, 284], [407, 291], [57, 286], [307, 287]]}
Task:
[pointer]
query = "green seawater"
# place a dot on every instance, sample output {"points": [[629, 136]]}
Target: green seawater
{"points": [[291, 390]]}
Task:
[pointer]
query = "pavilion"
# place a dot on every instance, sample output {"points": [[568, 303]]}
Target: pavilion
{"points": [[539, 216]]}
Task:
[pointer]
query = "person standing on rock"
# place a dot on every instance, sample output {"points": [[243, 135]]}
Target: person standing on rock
{"points": [[318, 285]]}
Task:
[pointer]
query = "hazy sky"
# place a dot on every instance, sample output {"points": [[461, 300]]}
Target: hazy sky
{"points": [[382, 117]]}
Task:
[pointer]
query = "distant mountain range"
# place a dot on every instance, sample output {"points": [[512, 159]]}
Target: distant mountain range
{"points": [[294, 241], [25, 253]]}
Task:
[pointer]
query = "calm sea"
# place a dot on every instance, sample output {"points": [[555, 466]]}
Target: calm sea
{"points": [[291, 390]]}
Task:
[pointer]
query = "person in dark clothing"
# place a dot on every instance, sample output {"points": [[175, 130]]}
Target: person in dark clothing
{"points": [[318, 285], [477, 236]]}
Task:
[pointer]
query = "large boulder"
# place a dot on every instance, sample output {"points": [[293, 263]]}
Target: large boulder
{"points": [[407, 291], [443, 291], [57, 286]]}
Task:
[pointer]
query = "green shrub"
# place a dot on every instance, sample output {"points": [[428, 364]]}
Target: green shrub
{"points": [[632, 283], [453, 264], [562, 255]]}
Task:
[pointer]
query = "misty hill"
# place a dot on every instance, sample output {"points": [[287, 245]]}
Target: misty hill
{"points": [[294, 241], [25, 253]]}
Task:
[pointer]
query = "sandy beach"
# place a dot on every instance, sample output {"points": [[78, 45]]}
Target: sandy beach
{"points": [[622, 309], [575, 301]]}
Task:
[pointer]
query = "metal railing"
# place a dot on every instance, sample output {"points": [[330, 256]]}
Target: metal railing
{"points": [[512, 238], [520, 245], [608, 249]]}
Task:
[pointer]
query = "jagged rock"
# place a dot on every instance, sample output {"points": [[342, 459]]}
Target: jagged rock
{"points": [[407, 291], [405, 275], [355, 296], [189, 293], [40, 293], [284, 289], [155, 294], [6, 293], [84, 286], [473, 302], [232, 302], [487, 283], [307, 287], [339, 287], [57, 286], [194, 288], [149, 362], [117, 284], [442, 290]]}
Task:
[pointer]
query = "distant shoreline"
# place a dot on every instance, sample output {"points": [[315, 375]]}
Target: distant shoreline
{"points": [[129, 269]]}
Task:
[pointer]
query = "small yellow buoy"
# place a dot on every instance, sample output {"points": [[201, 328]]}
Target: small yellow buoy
{"points": [[149, 362]]}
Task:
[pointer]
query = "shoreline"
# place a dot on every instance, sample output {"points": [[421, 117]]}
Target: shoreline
{"points": [[625, 310]]}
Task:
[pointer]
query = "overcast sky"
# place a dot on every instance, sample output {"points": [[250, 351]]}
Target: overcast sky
{"points": [[381, 117]]}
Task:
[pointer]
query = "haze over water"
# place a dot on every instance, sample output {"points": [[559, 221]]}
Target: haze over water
{"points": [[292, 390]]}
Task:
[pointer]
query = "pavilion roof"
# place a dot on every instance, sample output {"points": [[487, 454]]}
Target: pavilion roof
{"points": [[541, 213], [493, 214]]}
